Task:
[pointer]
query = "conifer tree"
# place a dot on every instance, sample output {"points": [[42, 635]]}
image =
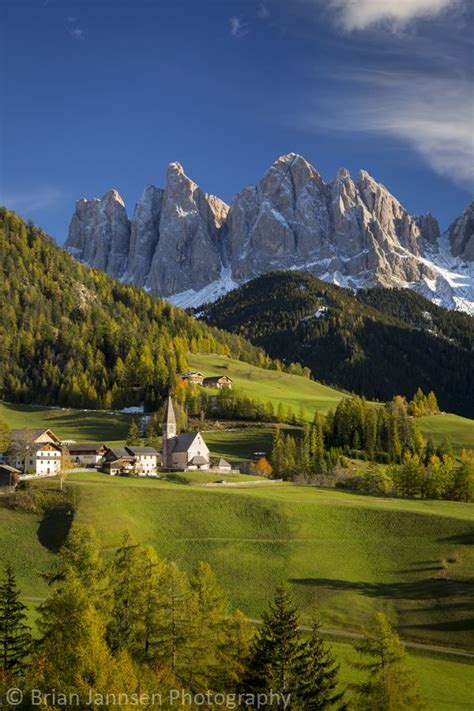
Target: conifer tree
{"points": [[128, 597], [133, 436], [317, 677], [15, 634], [276, 649], [391, 685], [72, 654]]}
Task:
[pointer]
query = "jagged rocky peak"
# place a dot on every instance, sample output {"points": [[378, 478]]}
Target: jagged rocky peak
{"points": [[461, 234], [429, 228], [145, 232], [99, 232], [188, 251], [184, 243]]}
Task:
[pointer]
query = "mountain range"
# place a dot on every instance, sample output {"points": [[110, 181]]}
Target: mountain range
{"points": [[191, 247], [377, 342]]}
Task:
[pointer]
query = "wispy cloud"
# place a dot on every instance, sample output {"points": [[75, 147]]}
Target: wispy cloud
{"points": [[238, 28], [360, 14], [74, 29], [431, 113], [30, 201], [262, 11]]}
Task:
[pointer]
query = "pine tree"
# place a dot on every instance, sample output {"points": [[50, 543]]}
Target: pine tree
{"points": [[317, 673], [133, 436], [275, 650], [128, 605], [15, 634], [391, 684]]}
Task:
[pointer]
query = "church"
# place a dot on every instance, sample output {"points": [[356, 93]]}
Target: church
{"points": [[187, 451]]}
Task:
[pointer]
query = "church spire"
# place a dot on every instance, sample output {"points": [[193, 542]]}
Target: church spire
{"points": [[170, 417], [169, 432]]}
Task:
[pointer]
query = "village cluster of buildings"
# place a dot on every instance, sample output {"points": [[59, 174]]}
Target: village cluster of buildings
{"points": [[218, 382], [35, 453]]}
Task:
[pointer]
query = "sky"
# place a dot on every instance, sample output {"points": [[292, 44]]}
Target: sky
{"points": [[104, 94]]}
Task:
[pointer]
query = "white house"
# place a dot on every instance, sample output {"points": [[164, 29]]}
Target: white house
{"points": [[131, 461], [187, 451], [35, 452], [146, 460]]}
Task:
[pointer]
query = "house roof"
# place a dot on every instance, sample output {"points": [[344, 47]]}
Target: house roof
{"points": [[118, 453], [216, 378], [224, 463], [85, 446], [35, 433], [121, 461], [184, 441], [142, 450], [9, 469], [199, 459]]}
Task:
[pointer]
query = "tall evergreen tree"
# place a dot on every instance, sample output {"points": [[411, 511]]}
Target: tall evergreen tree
{"points": [[317, 675], [276, 649], [15, 634]]}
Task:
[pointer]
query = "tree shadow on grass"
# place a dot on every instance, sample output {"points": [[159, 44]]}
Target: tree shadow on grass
{"points": [[55, 525], [427, 589]]}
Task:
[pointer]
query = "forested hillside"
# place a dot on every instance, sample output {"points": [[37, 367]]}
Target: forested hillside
{"points": [[71, 335], [378, 343]]}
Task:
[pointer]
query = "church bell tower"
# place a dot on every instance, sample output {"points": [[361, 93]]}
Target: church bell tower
{"points": [[169, 432]]}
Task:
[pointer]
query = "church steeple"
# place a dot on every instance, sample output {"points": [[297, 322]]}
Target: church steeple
{"points": [[169, 421], [169, 432]]}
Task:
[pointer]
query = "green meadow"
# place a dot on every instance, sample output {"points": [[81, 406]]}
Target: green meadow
{"points": [[293, 391], [347, 555]]}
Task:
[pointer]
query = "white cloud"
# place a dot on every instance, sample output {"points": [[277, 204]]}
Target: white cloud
{"points": [[31, 200], [238, 27], [359, 14], [432, 114]]}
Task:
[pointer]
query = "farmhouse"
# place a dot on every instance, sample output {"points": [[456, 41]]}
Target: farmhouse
{"points": [[194, 378], [123, 461], [118, 461], [36, 452], [146, 460], [221, 382], [89, 453], [187, 451]]}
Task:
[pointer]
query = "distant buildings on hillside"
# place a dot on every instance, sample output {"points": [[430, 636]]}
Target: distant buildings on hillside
{"points": [[220, 382], [41, 453]]}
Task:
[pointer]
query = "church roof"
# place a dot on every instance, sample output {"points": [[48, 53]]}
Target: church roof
{"points": [[184, 441]]}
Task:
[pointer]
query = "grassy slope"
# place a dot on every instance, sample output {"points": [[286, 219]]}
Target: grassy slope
{"points": [[353, 554], [459, 430], [292, 390], [350, 554], [446, 685], [79, 425], [270, 385]]}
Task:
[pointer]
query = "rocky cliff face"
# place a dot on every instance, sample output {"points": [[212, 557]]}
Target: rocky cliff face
{"points": [[461, 234], [190, 247]]}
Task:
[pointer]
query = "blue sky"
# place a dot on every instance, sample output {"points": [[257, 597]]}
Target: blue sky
{"points": [[103, 94]]}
